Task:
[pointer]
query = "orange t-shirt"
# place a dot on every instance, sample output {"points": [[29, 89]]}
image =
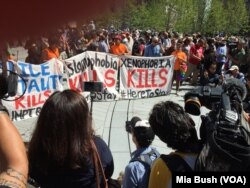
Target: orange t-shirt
{"points": [[48, 54], [119, 49], [181, 57]]}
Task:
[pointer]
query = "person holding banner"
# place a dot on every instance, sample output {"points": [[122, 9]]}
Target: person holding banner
{"points": [[63, 148], [119, 48], [52, 51], [13, 159], [180, 65], [155, 49]]}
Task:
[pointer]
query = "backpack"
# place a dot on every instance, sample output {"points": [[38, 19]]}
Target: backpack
{"points": [[176, 163], [145, 159]]}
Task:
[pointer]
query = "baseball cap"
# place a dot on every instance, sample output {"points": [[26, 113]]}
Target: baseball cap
{"points": [[134, 120], [142, 123], [143, 132], [234, 67]]}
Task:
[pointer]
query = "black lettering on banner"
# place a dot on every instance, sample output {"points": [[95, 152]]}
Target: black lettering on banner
{"points": [[145, 63], [161, 63], [105, 95], [21, 114], [97, 62], [137, 94], [160, 92], [77, 67], [38, 110], [82, 65], [168, 63]]}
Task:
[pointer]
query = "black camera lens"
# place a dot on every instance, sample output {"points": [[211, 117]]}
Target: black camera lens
{"points": [[192, 106]]}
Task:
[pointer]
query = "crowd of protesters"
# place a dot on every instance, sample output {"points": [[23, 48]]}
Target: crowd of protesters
{"points": [[194, 52], [69, 157]]}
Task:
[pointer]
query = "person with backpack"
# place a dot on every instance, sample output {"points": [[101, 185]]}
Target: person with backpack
{"points": [[137, 171], [176, 128]]}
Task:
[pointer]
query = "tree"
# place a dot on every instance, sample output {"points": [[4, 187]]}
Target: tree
{"points": [[236, 15], [216, 18], [207, 16]]}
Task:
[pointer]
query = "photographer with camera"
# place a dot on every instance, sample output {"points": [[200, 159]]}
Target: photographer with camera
{"points": [[225, 130], [138, 170], [176, 128], [13, 159]]}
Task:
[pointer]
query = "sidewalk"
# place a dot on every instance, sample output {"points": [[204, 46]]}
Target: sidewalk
{"points": [[109, 123]]}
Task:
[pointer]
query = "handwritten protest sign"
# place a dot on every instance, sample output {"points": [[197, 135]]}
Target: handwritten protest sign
{"points": [[140, 77], [94, 66], [144, 77], [35, 84]]}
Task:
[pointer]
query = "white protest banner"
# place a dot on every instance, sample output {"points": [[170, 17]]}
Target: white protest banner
{"points": [[97, 67], [144, 77], [40, 82], [104, 68], [77, 69]]}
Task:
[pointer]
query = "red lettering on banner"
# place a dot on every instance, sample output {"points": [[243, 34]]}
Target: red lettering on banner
{"points": [[18, 103], [109, 78], [130, 80], [34, 100], [47, 93], [72, 82], [147, 85], [140, 71], [153, 79], [163, 75], [76, 82], [85, 76], [28, 101], [94, 75], [144, 80]]}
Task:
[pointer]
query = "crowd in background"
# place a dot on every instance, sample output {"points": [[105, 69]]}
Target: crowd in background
{"points": [[70, 40], [70, 155]]}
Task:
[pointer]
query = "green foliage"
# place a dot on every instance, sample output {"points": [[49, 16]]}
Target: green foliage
{"points": [[207, 16]]}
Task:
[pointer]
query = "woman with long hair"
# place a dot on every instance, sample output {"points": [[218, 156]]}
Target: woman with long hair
{"points": [[61, 149]]}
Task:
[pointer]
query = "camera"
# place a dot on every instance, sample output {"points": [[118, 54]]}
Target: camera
{"points": [[92, 86], [225, 103], [215, 98], [224, 132], [202, 96]]}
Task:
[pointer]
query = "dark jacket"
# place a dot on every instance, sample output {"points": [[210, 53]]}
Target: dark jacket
{"points": [[78, 178], [212, 80]]}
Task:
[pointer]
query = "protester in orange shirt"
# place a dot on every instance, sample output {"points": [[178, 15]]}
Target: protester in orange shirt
{"points": [[180, 64], [118, 48], [52, 51]]}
